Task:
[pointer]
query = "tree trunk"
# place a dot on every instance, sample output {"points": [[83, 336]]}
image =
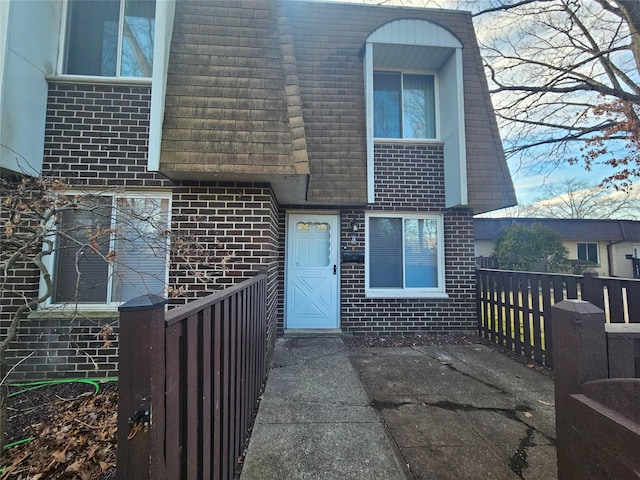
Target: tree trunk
{"points": [[4, 397]]}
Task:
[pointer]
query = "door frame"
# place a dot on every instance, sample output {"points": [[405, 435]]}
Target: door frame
{"points": [[287, 246]]}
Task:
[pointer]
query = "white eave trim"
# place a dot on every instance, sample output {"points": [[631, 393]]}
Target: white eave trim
{"points": [[165, 12], [368, 90]]}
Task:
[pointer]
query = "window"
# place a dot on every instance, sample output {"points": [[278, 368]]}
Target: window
{"points": [[405, 255], [110, 250], [403, 105], [110, 38], [588, 252]]}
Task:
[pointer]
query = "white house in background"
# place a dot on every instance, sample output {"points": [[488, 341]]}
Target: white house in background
{"points": [[610, 244]]}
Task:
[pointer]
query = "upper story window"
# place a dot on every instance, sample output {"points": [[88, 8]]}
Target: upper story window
{"points": [[404, 105], [111, 250], [414, 93], [110, 38]]}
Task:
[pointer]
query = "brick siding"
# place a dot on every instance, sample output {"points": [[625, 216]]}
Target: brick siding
{"points": [[411, 178], [225, 233], [96, 138]]}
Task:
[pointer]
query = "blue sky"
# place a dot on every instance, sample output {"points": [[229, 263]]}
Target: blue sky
{"points": [[528, 185]]}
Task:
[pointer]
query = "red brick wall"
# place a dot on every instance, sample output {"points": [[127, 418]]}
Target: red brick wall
{"points": [[411, 178]]}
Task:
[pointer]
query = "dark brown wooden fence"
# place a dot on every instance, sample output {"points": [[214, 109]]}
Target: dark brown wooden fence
{"points": [[189, 382], [514, 308], [597, 395]]}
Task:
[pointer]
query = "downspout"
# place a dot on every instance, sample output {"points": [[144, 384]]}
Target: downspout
{"points": [[610, 255]]}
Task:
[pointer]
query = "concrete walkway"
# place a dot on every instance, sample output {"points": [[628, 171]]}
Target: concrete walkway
{"points": [[438, 412], [315, 421]]}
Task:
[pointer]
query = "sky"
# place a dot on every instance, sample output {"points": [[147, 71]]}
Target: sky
{"points": [[527, 183]]}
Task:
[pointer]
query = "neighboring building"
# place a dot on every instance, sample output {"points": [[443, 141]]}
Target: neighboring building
{"points": [[344, 148], [611, 245]]}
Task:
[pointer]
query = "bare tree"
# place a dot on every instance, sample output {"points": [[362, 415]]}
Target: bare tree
{"points": [[565, 81], [577, 199], [105, 251]]}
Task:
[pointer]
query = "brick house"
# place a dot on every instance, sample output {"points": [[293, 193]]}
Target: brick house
{"points": [[343, 148]]}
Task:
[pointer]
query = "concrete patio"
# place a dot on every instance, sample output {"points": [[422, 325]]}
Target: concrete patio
{"points": [[429, 412]]}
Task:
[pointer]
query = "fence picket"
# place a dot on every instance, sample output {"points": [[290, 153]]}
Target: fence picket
{"points": [[633, 301], [174, 419], [207, 393], [537, 320], [515, 307]]}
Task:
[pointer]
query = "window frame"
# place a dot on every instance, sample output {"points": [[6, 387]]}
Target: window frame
{"points": [[50, 261], [408, 292], [436, 105], [586, 244], [117, 79]]}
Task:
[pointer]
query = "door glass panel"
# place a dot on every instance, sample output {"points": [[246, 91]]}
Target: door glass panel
{"points": [[313, 244]]}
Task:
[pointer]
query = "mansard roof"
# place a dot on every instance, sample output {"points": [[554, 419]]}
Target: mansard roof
{"points": [[277, 87]]}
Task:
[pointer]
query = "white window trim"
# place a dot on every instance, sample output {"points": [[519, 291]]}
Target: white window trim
{"points": [[433, 292], [117, 79], [49, 260], [436, 108], [451, 94]]}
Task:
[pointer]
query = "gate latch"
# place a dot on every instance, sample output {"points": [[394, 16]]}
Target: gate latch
{"points": [[139, 421]]}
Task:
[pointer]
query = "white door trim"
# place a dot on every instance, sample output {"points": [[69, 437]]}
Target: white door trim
{"points": [[333, 217]]}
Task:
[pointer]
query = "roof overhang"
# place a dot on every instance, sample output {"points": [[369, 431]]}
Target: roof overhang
{"points": [[289, 189]]}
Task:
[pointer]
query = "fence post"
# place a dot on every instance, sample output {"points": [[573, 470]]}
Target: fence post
{"points": [[580, 355], [141, 378]]}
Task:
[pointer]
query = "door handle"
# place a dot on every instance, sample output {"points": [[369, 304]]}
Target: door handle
{"points": [[335, 269]]}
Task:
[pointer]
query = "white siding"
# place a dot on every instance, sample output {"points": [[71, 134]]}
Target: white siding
{"points": [[484, 248], [622, 266], [30, 53], [414, 32]]}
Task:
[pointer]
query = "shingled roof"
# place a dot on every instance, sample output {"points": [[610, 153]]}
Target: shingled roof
{"points": [[277, 87], [232, 108], [586, 230]]}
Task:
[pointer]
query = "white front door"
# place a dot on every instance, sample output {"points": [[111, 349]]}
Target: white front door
{"points": [[312, 271]]}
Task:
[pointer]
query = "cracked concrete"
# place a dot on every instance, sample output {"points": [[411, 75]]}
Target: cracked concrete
{"points": [[435, 412], [315, 421], [462, 411]]}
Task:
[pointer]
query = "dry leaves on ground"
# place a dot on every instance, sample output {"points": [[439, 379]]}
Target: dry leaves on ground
{"points": [[74, 432]]}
